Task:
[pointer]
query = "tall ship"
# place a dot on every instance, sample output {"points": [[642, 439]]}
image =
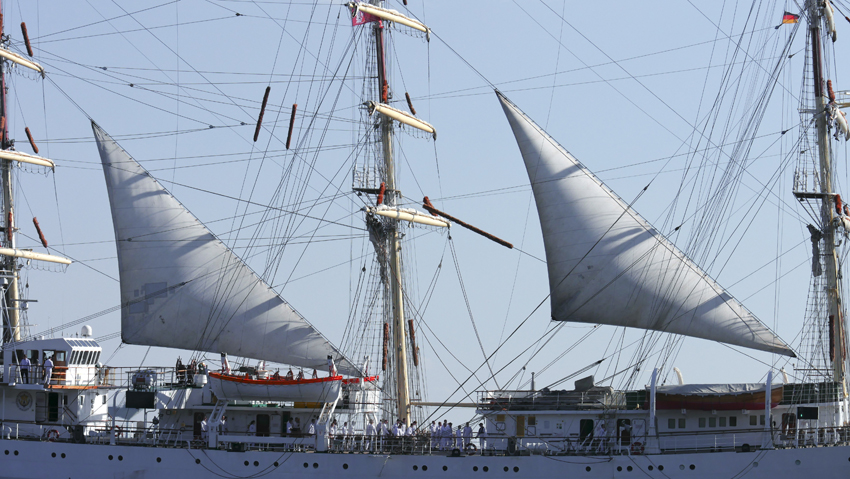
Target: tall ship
{"points": [[262, 389]]}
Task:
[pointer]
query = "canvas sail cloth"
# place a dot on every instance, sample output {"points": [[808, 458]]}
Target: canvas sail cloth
{"points": [[607, 265], [181, 287]]}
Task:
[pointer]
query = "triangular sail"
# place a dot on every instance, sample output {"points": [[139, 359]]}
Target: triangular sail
{"points": [[181, 287], [607, 265]]}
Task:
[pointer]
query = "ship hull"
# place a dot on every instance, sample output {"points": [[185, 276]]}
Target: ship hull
{"points": [[33, 459]]}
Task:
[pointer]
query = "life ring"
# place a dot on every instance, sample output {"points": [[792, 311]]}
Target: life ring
{"points": [[637, 448], [471, 446], [52, 435], [117, 431]]}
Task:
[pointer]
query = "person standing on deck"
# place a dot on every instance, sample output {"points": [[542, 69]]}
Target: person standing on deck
{"points": [[467, 435], [25, 370], [482, 437], [48, 371], [204, 429], [371, 431]]}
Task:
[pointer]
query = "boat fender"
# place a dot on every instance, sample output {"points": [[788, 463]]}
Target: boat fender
{"points": [[32, 141], [262, 112], [637, 448], [381, 193], [26, 40], [40, 233], [291, 124], [52, 435]]}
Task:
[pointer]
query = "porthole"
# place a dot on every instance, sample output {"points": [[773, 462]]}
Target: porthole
{"points": [[650, 468], [507, 468], [120, 458], [693, 467], [756, 464], [16, 453], [159, 459], [345, 466], [660, 468], [587, 468], [276, 464], [516, 468], [486, 469], [797, 462], [619, 468], [315, 465], [110, 457], [246, 463], [475, 468], [424, 468], [306, 465], [256, 463], [53, 454], [629, 468], [197, 461], [681, 467], [445, 468], [63, 455], [415, 468]]}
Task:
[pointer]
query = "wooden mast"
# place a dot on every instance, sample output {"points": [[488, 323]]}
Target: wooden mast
{"points": [[399, 343], [829, 255], [9, 263]]}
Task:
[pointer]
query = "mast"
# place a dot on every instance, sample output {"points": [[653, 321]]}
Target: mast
{"points": [[394, 239], [829, 255], [9, 263]]}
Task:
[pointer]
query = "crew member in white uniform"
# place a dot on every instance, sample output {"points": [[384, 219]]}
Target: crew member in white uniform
{"points": [[48, 370]]}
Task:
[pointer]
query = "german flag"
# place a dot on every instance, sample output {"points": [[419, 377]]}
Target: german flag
{"points": [[790, 18]]}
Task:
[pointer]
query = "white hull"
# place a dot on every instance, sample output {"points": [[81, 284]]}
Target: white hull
{"points": [[31, 459]]}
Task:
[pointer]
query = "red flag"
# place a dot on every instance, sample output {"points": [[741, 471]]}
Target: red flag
{"points": [[359, 18]]}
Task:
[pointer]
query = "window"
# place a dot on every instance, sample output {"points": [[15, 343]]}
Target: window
{"points": [[733, 421], [754, 421], [96, 357], [682, 423], [712, 422], [722, 421], [702, 422], [532, 421], [671, 423]]}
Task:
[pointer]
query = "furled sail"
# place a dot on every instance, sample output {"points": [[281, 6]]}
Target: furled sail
{"points": [[181, 287], [607, 265]]}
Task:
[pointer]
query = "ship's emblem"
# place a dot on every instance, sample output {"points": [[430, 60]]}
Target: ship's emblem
{"points": [[24, 401]]}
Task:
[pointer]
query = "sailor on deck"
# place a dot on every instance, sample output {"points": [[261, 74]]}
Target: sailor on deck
{"points": [[48, 370], [371, 431], [25, 370], [435, 435], [204, 429], [467, 435], [482, 437]]}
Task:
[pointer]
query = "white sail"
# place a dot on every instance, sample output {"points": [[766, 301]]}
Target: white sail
{"points": [[181, 287], [607, 265]]}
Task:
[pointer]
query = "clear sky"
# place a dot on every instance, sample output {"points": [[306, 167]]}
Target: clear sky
{"points": [[624, 86]]}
